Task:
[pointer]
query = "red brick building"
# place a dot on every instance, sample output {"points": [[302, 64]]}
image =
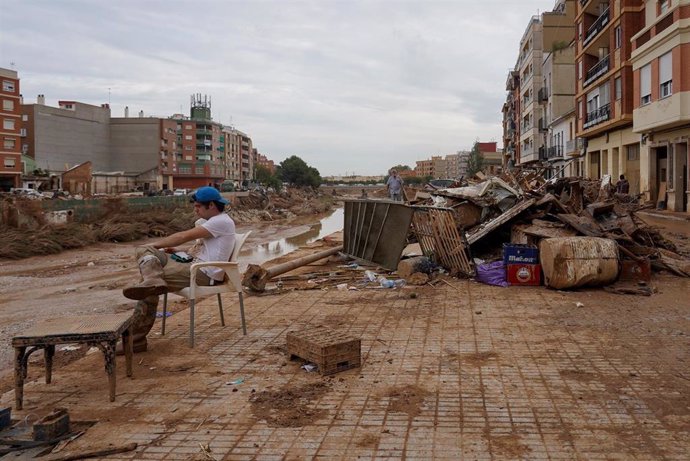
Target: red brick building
{"points": [[10, 131]]}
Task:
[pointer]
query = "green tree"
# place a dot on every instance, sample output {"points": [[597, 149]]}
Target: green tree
{"points": [[418, 180], [295, 171], [399, 168], [475, 162], [268, 179]]}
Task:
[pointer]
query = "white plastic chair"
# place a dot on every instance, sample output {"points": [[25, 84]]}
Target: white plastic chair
{"points": [[194, 291]]}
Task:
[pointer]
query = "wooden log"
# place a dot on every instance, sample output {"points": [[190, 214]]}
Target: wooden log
{"points": [[256, 277]]}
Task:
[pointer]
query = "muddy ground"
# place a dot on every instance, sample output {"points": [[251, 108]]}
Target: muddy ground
{"points": [[617, 355]]}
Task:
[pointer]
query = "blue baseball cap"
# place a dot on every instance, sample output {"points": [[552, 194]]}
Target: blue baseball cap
{"points": [[208, 194]]}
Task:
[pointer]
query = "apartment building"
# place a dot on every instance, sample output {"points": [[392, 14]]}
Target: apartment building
{"points": [[604, 91], [265, 162], [557, 99], [452, 166], [511, 120], [11, 131], [424, 168], [240, 161], [59, 138], [142, 144], [660, 62], [492, 157], [529, 68]]}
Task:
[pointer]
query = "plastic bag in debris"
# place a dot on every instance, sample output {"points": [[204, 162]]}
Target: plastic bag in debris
{"points": [[492, 274], [370, 275]]}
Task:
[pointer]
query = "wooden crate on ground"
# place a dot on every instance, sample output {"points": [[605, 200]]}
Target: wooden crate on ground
{"points": [[331, 350]]}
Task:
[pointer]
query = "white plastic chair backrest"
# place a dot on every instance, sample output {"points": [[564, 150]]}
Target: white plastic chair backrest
{"points": [[239, 241]]}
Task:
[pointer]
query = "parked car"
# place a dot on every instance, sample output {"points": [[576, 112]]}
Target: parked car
{"points": [[179, 192]]}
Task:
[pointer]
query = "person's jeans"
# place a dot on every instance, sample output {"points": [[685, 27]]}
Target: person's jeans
{"points": [[396, 197]]}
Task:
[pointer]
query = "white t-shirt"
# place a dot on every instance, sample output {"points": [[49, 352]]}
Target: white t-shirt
{"points": [[220, 246]]}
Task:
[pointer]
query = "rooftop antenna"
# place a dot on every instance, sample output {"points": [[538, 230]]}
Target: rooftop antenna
{"points": [[12, 64]]}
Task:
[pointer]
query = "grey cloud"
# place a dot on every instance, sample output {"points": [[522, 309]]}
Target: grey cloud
{"points": [[347, 85]]}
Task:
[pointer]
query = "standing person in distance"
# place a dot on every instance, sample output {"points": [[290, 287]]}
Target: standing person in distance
{"points": [[395, 186]]}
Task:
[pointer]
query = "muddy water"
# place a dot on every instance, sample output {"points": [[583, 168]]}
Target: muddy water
{"points": [[294, 237]]}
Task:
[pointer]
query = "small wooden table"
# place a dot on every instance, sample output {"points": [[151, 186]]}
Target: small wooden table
{"points": [[101, 331]]}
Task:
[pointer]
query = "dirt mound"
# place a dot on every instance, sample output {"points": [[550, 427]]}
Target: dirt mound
{"points": [[289, 407]]}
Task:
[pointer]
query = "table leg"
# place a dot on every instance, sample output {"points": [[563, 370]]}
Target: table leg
{"points": [[20, 365], [48, 354], [128, 346], [108, 348]]}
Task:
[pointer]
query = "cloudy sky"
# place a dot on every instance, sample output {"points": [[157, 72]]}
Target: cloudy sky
{"points": [[352, 87]]}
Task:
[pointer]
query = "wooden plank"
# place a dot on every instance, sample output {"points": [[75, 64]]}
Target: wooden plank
{"points": [[491, 226]]}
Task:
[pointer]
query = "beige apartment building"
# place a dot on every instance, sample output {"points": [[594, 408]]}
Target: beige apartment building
{"points": [[557, 99], [529, 68], [604, 99], [661, 99]]}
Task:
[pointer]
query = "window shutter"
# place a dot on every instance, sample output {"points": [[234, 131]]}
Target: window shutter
{"points": [[665, 68], [645, 80]]}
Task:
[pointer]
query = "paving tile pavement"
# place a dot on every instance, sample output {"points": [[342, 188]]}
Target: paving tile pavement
{"points": [[462, 372]]}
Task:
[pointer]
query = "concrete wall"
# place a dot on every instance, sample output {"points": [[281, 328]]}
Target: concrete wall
{"points": [[135, 144], [64, 138], [608, 154]]}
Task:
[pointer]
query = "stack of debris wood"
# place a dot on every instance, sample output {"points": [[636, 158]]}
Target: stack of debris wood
{"points": [[522, 207]]}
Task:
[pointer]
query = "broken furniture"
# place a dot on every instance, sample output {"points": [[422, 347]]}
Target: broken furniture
{"points": [[256, 277], [331, 350], [233, 284], [376, 231], [101, 331]]}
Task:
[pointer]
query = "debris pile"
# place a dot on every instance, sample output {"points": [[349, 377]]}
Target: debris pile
{"points": [[524, 208]]}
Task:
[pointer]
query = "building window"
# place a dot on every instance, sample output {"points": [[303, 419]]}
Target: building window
{"points": [[579, 31], [8, 86], [618, 88], [187, 147], [7, 104], [9, 162], [645, 85], [633, 152], [8, 124], [25, 118], [9, 143], [664, 5], [579, 70], [185, 169], [188, 127], [188, 137], [665, 75], [618, 33]]}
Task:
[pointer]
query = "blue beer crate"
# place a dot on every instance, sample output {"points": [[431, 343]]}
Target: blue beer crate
{"points": [[514, 253]]}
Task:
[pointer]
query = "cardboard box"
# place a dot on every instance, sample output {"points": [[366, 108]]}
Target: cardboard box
{"points": [[524, 274], [520, 254]]}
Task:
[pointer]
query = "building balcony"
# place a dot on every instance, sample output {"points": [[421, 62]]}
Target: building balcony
{"points": [[597, 27], [573, 146], [204, 158], [204, 131], [543, 94], [597, 70], [542, 153], [554, 152], [597, 116], [543, 126]]}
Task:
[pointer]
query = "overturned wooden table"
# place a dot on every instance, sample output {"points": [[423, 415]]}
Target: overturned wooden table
{"points": [[101, 331]]}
